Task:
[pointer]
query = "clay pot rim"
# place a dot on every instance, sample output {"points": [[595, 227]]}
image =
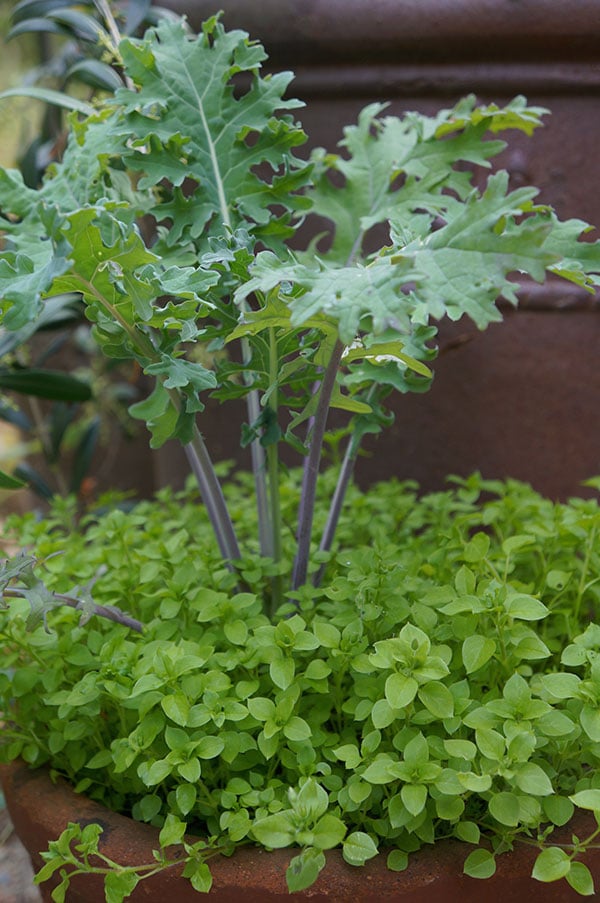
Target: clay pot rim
{"points": [[326, 30], [41, 808]]}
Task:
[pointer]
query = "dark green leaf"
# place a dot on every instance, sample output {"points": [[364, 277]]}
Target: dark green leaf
{"points": [[96, 74], [45, 384], [36, 24], [29, 9], [8, 482], [32, 478], [80, 24], [47, 95], [137, 11]]}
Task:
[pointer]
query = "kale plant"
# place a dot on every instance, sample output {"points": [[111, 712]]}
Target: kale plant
{"points": [[171, 214]]}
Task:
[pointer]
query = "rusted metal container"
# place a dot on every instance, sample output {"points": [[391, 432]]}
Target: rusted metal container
{"points": [[41, 809], [520, 399]]}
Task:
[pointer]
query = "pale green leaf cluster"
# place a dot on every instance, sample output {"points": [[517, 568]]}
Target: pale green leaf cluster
{"points": [[428, 690]]}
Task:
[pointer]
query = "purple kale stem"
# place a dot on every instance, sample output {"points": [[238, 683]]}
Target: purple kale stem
{"points": [[311, 468], [104, 611], [212, 496], [337, 502]]}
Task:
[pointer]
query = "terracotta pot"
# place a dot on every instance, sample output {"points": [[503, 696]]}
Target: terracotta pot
{"points": [[41, 809]]}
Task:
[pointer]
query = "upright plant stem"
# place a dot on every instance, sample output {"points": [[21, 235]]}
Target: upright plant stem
{"points": [[104, 9], [273, 476], [311, 468], [210, 490], [345, 475], [212, 496], [337, 502], [311, 465], [252, 401], [266, 528], [196, 451]]}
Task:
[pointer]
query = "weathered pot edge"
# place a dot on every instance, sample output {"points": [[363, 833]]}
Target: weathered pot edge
{"points": [[41, 808], [417, 29]]}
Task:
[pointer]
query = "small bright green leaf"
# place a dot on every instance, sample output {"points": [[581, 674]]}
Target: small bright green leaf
{"points": [[349, 755], [480, 864], [557, 580], [561, 685], [558, 809], [580, 878], [400, 690], [477, 548], [328, 832], [186, 795], [477, 651], [590, 722], [154, 773], [526, 608], [118, 885], [551, 864], [209, 747], [358, 848], [380, 771], [382, 714], [531, 648], [490, 743], [177, 707], [261, 708], [468, 831], [416, 751], [275, 831], [460, 749], [437, 698], [587, 799], [505, 808], [517, 542], [172, 832], [297, 729], [532, 779], [450, 808], [397, 860], [478, 783], [465, 581], [304, 870], [414, 797], [282, 672], [190, 770], [199, 875]]}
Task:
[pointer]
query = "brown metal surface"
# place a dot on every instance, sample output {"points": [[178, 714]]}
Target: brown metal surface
{"points": [[41, 809], [416, 29]]}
